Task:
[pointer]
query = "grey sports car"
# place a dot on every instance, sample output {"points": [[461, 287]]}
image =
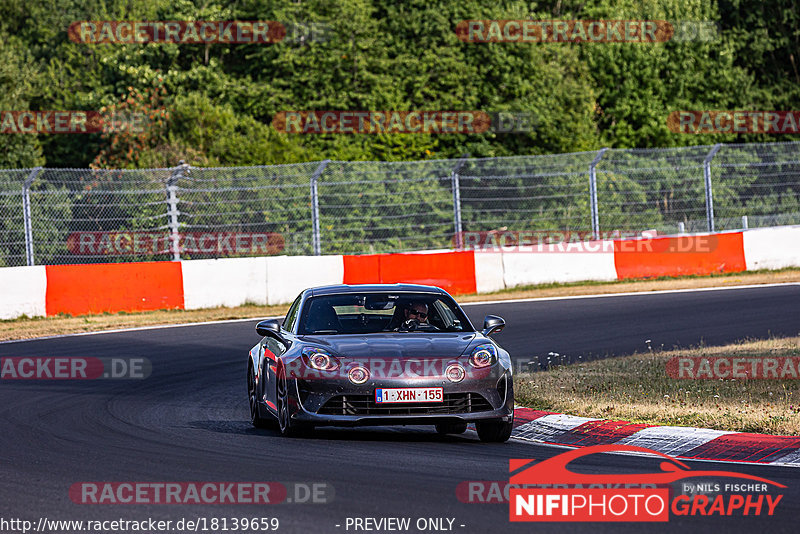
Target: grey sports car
{"points": [[400, 354]]}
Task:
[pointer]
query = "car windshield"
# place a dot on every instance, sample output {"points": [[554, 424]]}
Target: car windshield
{"points": [[373, 313]]}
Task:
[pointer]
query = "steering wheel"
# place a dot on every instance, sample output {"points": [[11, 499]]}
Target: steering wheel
{"points": [[409, 325], [412, 325]]}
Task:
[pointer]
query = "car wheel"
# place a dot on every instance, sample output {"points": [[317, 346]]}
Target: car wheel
{"points": [[287, 427], [497, 431], [252, 396], [451, 428]]}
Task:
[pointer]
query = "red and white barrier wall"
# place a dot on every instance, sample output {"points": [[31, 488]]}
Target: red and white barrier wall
{"points": [[22, 292], [772, 248], [194, 284]]}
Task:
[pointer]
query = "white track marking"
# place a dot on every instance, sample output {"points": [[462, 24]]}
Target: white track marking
{"points": [[138, 328], [630, 293], [509, 301]]}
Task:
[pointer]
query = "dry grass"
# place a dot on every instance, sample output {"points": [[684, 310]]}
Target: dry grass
{"points": [[27, 328], [636, 388], [635, 286]]}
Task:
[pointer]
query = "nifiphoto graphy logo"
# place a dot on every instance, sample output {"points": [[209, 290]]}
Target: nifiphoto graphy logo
{"points": [[570, 496]]}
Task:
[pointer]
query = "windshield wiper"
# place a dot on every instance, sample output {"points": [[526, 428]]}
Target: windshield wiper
{"points": [[325, 332]]}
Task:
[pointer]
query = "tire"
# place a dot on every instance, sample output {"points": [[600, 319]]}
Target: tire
{"points": [[252, 397], [451, 428], [497, 431], [287, 427]]}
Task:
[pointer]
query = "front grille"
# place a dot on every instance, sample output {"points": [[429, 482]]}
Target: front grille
{"points": [[454, 403]]}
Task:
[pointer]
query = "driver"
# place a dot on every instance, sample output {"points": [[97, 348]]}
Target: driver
{"points": [[418, 311]]}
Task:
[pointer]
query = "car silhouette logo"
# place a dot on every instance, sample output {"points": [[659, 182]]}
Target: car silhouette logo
{"points": [[554, 470]]}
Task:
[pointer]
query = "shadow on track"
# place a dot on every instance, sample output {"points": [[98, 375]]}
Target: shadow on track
{"points": [[401, 434]]}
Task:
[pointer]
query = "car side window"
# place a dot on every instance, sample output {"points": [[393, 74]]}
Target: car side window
{"points": [[291, 315], [447, 316]]}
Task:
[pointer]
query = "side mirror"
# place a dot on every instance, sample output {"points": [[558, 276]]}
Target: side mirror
{"points": [[493, 324], [271, 328]]}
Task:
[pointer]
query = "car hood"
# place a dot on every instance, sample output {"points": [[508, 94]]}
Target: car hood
{"points": [[404, 345]]}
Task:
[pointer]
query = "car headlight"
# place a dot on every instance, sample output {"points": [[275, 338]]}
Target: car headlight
{"points": [[319, 359], [483, 356]]}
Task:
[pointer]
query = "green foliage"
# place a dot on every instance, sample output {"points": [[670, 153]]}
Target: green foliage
{"points": [[640, 84], [215, 135], [219, 101], [379, 55], [19, 82], [132, 127]]}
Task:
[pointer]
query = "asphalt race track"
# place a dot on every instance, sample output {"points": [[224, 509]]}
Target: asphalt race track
{"points": [[616, 325], [188, 422]]}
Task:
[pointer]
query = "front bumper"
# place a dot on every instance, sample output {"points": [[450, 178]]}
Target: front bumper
{"points": [[340, 403]]}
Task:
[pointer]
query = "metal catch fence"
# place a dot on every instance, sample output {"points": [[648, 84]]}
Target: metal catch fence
{"points": [[66, 216]]}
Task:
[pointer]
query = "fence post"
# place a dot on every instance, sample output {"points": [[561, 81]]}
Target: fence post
{"points": [[316, 237], [26, 214], [593, 193], [456, 186], [172, 208], [709, 194]]}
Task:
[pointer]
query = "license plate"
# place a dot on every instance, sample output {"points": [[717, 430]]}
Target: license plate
{"points": [[384, 396]]}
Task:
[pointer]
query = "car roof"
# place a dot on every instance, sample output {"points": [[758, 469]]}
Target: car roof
{"points": [[374, 288]]}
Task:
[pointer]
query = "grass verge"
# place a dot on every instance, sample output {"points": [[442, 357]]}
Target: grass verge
{"points": [[636, 388], [635, 286], [31, 327], [27, 327]]}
